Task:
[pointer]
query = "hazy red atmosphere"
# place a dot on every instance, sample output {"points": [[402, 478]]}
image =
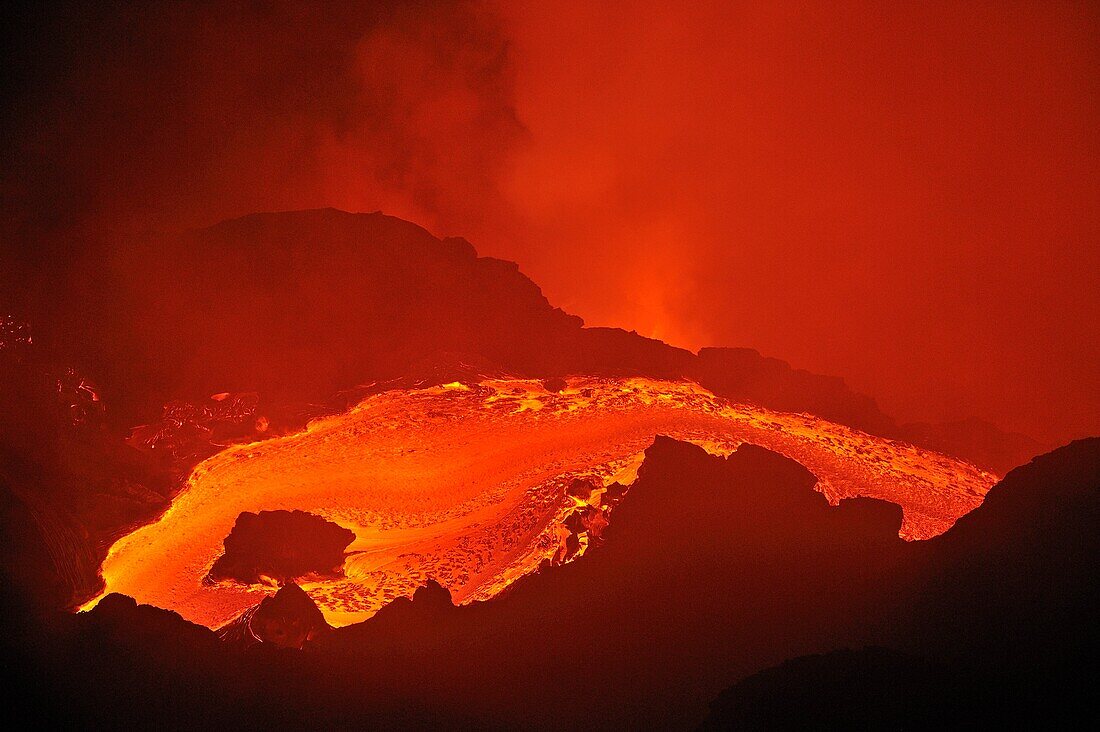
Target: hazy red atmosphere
{"points": [[905, 196], [471, 364]]}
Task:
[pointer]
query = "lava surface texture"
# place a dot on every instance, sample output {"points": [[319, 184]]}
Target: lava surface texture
{"points": [[470, 485]]}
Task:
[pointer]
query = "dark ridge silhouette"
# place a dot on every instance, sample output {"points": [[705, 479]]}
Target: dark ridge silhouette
{"points": [[302, 305], [713, 570], [980, 442], [681, 600], [669, 606], [1001, 609], [1016, 577], [287, 619], [742, 374], [282, 546]]}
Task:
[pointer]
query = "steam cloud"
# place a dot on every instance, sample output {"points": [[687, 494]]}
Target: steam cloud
{"points": [[901, 194], [183, 114]]}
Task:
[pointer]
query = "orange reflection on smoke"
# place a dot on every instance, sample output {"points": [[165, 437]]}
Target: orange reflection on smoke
{"points": [[467, 485]]}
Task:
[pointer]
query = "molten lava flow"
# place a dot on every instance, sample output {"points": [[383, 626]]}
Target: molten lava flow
{"points": [[467, 485]]}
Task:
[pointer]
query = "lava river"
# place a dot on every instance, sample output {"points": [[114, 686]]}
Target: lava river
{"points": [[465, 484]]}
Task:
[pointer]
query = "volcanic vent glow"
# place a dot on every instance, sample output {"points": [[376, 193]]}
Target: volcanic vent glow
{"points": [[466, 485]]}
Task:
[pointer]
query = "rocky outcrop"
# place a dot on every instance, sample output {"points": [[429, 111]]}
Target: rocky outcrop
{"points": [[281, 546], [995, 624], [1016, 577], [287, 619]]}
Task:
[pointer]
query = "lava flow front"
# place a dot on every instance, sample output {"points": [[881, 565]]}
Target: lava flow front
{"points": [[467, 485]]}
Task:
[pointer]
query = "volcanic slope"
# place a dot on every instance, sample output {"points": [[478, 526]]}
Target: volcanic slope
{"points": [[298, 306]]}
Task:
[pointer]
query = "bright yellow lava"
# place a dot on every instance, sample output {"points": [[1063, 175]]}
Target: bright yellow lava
{"points": [[465, 485]]}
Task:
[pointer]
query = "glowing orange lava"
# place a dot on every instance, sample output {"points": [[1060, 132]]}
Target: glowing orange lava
{"points": [[465, 484]]}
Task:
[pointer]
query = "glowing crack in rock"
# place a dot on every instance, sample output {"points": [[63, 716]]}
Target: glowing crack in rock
{"points": [[466, 485]]}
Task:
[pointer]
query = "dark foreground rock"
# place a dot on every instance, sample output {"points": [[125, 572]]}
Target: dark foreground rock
{"points": [[713, 570]]}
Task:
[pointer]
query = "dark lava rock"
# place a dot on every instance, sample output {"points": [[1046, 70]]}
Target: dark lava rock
{"points": [[281, 546], [286, 619], [554, 384]]}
